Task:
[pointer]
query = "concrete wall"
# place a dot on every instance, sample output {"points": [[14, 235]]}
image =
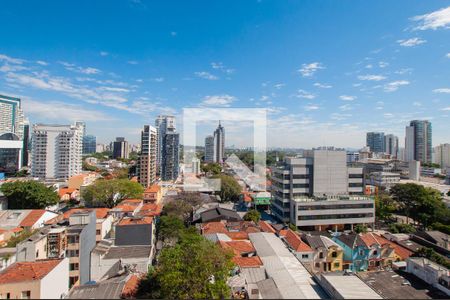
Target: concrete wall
{"points": [[87, 244], [15, 289], [330, 172], [56, 284], [139, 234]]}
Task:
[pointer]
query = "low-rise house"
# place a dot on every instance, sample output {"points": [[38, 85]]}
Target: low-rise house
{"points": [[320, 252], [436, 237], [153, 194], [7, 257], [356, 253], [300, 249], [77, 182], [430, 272], [335, 255], [118, 287], [132, 231], [381, 254], [25, 218], [44, 279], [126, 208], [66, 194], [218, 214], [107, 259], [150, 210], [49, 242]]}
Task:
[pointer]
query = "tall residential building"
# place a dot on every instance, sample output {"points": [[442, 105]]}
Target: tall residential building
{"points": [[219, 144], [442, 155], [10, 153], [11, 116], [163, 124], [375, 141], [26, 145], [147, 158], [391, 145], [89, 144], [418, 141], [318, 190], [170, 156], [120, 148], [56, 151], [209, 149]]}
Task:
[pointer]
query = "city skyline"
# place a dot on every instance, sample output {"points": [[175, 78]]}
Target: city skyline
{"points": [[336, 85]]}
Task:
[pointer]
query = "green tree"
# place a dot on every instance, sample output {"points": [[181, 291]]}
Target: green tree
{"points": [[407, 196], [28, 194], [211, 168], [252, 215], [401, 228], [384, 206], [170, 229], [107, 193], [88, 167], [13, 241], [182, 205], [360, 228], [195, 268], [120, 173], [292, 227], [229, 188]]}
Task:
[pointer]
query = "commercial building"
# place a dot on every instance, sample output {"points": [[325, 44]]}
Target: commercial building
{"points": [[163, 124], [430, 272], [11, 156], [45, 279], [120, 148], [339, 286], [147, 158], [209, 149], [319, 181], [89, 144], [391, 145], [384, 179], [11, 116], [375, 141], [418, 141], [219, 144], [442, 156], [196, 166], [56, 151], [170, 156]]}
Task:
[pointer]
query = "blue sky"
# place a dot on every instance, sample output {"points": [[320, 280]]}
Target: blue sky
{"points": [[327, 71]]}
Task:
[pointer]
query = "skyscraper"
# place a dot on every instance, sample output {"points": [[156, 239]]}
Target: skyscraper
{"points": [[170, 156], [56, 151], [418, 141], [209, 149], [163, 124], [11, 116], [89, 144], [375, 141], [391, 145], [219, 144], [442, 155], [120, 148], [147, 158]]}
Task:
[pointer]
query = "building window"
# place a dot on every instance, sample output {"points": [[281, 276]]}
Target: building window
{"points": [[334, 254], [72, 280], [98, 232], [73, 267], [321, 255], [26, 295], [375, 252], [336, 265], [72, 253], [305, 256], [73, 239]]}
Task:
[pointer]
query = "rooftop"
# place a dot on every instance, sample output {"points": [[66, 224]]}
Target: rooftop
{"points": [[153, 189], [32, 217], [332, 198], [124, 252], [248, 262], [296, 243], [27, 271], [113, 288], [349, 287], [135, 221]]}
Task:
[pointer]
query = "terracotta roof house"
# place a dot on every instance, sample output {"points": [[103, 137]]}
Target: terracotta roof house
{"points": [[44, 279]]}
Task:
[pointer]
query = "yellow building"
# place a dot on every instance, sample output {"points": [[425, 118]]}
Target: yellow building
{"points": [[153, 194], [335, 255]]}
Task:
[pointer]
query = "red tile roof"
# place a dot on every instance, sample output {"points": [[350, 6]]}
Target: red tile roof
{"points": [[28, 271], [238, 247], [150, 209], [64, 191], [240, 235], [266, 227], [32, 218], [247, 197], [130, 288], [296, 242], [282, 232], [153, 189], [399, 250], [135, 221], [100, 213], [214, 227], [248, 262], [369, 239]]}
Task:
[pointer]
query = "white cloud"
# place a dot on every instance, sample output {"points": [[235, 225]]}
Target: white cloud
{"points": [[157, 79], [442, 90], [340, 117], [417, 104], [206, 75], [345, 107], [404, 71], [347, 97], [304, 94], [220, 66], [371, 77], [55, 110], [446, 109], [173, 33], [383, 64], [42, 63], [310, 107], [104, 53], [411, 42], [11, 60], [369, 66], [448, 55], [394, 85], [279, 85], [132, 62], [218, 100], [308, 70], [322, 86], [434, 20], [388, 115], [75, 68]]}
